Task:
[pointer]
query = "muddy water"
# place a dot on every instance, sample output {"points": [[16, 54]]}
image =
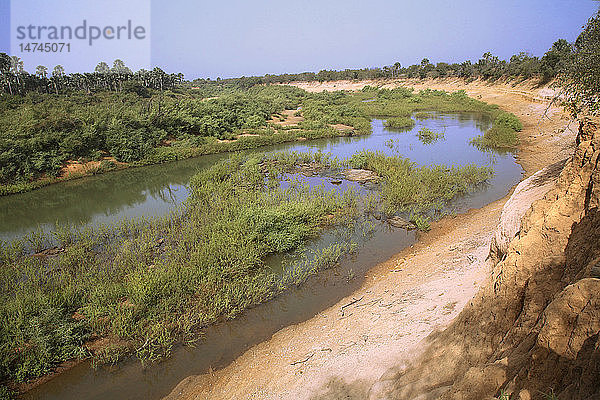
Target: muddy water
{"points": [[225, 341], [154, 190]]}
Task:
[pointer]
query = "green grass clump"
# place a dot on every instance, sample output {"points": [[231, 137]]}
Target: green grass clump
{"points": [[422, 115], [502, 134], [427, 136], [147, 284], [401, 102], [508, 120], [419, 190], [421, 221], [399, 123]]}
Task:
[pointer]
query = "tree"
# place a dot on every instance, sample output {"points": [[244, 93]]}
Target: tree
{"points": [[102, 68], [5, 75], [396, 69], [490, 66], [4, 63], [41, 71], [16, 65], [556, 59], [388, 71], [442, 69], [524, 65], [426, 66], [58, 71], [581, 76], [58, 74], [119, 67]]}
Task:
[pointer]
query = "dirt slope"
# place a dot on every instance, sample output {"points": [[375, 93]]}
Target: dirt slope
{"points": [[344, 351], [534, 329]]}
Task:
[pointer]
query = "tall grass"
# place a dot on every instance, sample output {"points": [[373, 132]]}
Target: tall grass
{"points": [[145, 284], [502, 135], [399, 123], [427, 136], [419, 190]]}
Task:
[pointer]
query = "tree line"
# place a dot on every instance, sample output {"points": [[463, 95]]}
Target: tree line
{"points": [[488, 67], [15, 80]]}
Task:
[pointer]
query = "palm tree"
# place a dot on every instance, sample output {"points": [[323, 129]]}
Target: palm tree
{"points": [[16, 65], [4, 63], [58, 71], [120, 67], [397, 68], [41, 71], [57, 76], [5, 72]]}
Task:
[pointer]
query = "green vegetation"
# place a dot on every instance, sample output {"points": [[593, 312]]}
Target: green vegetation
{"points": [[144, 285], [399, 123], [402, 103], [419, 190], [580, 78], [427, 136], [147, 283], [550, 395], [15, 80], [422, 115], [547, 396], [504, 395], [502, 135], [42, 132]]}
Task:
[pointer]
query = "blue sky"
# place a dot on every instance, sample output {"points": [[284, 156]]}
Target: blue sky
{"points": [[240, 37]]}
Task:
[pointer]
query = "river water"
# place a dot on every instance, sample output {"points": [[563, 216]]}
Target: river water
{"points": [[154, 190], [157, 189]]}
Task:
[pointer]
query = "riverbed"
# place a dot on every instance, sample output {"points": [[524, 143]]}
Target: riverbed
{"points": [[155, 190]]}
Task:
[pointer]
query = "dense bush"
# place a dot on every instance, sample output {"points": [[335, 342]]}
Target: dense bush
{"points": [[399, 123], [510, 121], [43, 131], [502, 134]]}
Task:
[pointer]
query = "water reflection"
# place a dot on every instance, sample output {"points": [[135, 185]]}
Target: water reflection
{"points": [[155, 190]]}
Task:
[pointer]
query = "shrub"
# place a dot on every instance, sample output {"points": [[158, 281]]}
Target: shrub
{"points": [[502, 134], [508, 120], [399, 123], [427, 136]]}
